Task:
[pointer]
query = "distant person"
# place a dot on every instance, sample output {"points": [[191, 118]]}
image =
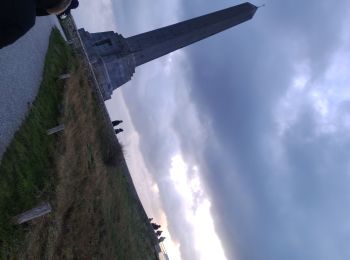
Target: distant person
{"points": [[116, 122], [161, 239], [155, 226], [73, 5], [119, 130], [17, 17]]}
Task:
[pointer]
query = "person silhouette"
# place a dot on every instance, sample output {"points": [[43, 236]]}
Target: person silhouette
{"points": [[119, 130], [116, 122], [161, 239], [155, 226]]}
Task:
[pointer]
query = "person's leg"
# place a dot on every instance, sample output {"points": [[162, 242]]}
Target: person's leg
{"points": [[116, 122]]}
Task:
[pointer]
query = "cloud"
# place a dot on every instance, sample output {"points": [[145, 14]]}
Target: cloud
{"points": [[261, 69], [195, 206], [263, 111], [95, 16]]}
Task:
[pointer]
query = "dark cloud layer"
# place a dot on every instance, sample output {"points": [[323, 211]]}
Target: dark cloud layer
{"points": [[255, 69], [292, 206]]}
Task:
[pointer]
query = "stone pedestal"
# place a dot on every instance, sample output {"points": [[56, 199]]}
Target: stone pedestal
{"points": [[114, 58]]}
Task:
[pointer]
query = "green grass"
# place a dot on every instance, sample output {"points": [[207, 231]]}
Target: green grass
{"points": [[130, 234], [26, 169], [96, 212]]}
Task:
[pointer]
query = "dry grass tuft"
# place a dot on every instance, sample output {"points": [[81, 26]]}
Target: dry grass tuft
{"points": [[95, 213]]}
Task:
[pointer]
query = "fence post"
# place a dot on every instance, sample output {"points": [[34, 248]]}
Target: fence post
{"points": [[36, 212], [55, 129], [64, 76]]}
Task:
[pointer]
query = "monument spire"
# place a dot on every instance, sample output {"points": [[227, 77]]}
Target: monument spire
{"points": [[154, 44], [114, 58]]}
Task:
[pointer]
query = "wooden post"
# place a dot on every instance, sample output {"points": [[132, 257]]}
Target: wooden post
{"points": [[64, 76], [55, 129], [36, 212]]}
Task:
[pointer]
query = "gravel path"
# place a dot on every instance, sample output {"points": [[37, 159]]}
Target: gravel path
{"points": [[21, 67]]}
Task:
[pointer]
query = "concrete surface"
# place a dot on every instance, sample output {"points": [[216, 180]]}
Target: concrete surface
{"points": [[21, 67]]}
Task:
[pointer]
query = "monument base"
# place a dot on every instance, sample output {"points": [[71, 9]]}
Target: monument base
{"points": [[111, 60]]}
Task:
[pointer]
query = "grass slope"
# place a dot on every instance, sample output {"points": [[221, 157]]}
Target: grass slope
{"points": [[26, 170], [95, 212]]}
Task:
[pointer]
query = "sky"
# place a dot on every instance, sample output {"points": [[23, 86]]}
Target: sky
{"points": [[238, 145]]}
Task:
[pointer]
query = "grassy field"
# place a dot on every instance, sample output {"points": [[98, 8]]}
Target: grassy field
{"points": [[26, 170], [95, 212]]}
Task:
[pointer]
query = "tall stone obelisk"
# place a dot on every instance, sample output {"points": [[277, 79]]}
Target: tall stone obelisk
{"points": [[115, 58]]}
